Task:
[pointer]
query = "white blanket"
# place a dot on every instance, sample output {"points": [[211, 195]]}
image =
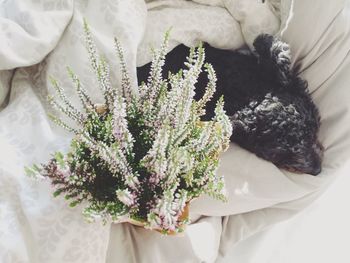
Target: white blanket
{"points": [[39, 38]]}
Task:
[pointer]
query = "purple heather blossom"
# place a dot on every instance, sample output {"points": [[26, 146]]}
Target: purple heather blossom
{"points": [[119, 121], [180, 148]]}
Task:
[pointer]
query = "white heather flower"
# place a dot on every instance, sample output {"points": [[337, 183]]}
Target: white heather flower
{"points": [[155, 160], [104, 79], [120, 126], [143, 90], [209, 90], [180, 162], [125, 82], [82, 93], [155, 79], [163, 216], [190, 77], [62, 124], [154, 221], [173, 165], [200, 143], [223, 119], [168, 210], [173, 97], [77, 115], [132, 181], [161, 109], [99, 66], [70, 112], [126, 197], [114, 157]]}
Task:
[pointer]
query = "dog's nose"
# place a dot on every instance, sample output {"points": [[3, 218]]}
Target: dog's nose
{"points": [[316, 164], [317, 156], [316, 170]]}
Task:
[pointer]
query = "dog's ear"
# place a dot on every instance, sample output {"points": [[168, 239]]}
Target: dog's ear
{"points": [[262, 45], [281, 58], [273, 57], [297, 84]]}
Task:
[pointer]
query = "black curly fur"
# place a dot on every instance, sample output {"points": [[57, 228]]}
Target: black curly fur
{"points": [[271, 109]]}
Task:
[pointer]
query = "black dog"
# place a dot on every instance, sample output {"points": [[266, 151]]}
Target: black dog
{"points": [[271, 110]]}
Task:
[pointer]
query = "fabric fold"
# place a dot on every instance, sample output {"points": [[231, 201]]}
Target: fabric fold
{"points": [[39, 38]]}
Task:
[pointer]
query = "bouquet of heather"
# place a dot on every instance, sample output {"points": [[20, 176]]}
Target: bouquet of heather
{"points": [[140, 158]]}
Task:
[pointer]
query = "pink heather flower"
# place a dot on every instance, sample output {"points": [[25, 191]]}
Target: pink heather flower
{"points": [[154, 179], [64, 171], [119, 121], [62, 167]]}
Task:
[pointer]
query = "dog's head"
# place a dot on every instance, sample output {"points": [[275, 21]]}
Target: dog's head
{"points": [[282, 129]]}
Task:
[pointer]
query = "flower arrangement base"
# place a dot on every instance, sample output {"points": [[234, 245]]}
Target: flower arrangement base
{"points": [[183, 218], [139, 158]]}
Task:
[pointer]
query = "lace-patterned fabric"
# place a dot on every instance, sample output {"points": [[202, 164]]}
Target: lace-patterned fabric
{"points": [[39, 38]]}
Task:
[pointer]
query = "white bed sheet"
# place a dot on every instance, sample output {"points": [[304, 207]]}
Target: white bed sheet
{"points": [[320, 233], [35, 227]]}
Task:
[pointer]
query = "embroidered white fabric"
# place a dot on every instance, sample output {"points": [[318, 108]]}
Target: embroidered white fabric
{"points": [[39, 38]]}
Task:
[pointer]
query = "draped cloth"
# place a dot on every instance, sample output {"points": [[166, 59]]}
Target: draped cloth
{"points": [[39, 38]]}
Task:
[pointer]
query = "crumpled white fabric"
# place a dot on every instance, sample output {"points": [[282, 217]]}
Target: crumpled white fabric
{"points": [[39, 38]]}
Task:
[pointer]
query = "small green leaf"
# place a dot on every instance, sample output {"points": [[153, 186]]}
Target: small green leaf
{"points": [[74, 203], [53, 81], [57, 192], [33, 171], [36, 168], [29, 171], [59, 157]]}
